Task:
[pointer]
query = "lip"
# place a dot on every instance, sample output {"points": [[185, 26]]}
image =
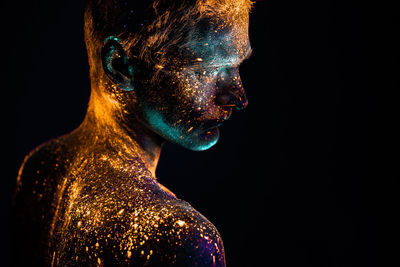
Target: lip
{"points": [[209, 125], [228, 115], [211, 133]]}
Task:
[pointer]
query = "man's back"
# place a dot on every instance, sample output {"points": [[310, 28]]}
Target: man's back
{"points": [[74, 210], [159, 72]]}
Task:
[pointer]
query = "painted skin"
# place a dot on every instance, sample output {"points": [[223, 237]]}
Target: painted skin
{"points": [[202, 89], [93, 196], [114, 213]]}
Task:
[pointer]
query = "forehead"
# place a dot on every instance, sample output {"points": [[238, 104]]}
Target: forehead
{"points": [[217, 43]]}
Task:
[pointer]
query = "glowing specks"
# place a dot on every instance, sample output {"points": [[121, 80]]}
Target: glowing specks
{"points": [[116, 204], [180, 223]]}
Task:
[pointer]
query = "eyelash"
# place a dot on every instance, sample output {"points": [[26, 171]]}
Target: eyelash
{"points": [[205, 71]]}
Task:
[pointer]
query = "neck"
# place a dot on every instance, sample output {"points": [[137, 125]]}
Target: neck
{"points": [[119, 142]]}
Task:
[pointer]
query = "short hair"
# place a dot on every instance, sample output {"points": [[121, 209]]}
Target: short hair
{"points": [[149, 27]]}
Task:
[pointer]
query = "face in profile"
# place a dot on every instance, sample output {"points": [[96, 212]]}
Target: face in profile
{"points": [[197, 86]]}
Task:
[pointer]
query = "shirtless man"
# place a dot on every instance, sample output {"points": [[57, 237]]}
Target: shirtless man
{"points": [[160, 70]]}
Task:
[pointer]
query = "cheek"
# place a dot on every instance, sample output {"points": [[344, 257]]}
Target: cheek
{"points": [[187, 96], [197, 91], [182, 101], [184, 106]]}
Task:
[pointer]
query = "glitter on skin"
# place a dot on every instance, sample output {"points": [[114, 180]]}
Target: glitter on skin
{"points": [[91, 197]]}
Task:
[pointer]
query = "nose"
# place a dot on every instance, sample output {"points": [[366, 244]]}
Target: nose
{"points": [[231, 92], [238, 101]]}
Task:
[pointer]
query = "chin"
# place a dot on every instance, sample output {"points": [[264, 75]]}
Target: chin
{"points": [[201, 141], [197, 140]]}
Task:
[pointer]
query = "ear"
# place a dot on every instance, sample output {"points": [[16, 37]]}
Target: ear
{"points": [[116, 64]]}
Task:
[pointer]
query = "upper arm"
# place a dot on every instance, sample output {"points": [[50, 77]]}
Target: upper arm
{"points": [[148, 235], [184, 238]]}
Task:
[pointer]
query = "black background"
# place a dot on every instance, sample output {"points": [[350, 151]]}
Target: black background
{"points": [[297, 179]]}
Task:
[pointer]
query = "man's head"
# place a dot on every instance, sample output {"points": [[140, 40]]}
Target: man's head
{"points": [[171, 65]]}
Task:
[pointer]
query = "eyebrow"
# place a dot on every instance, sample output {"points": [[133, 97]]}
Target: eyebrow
{"points": [[232, 62]]}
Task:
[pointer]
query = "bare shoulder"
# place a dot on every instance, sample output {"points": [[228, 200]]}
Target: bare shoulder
{"points": [[149, 230], [188, 238], [101, 218], [49, 159], [33, 201], [38, 178]]}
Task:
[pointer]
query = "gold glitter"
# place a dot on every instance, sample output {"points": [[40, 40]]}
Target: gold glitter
{"points": [[91, 197], [180, 223]]}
